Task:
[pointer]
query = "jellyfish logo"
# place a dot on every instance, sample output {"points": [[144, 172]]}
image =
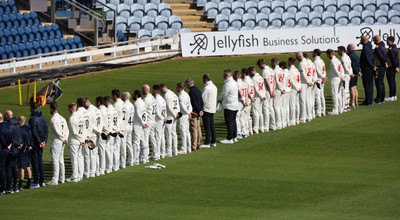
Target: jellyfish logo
{"points": [[200, 43], [366, 31]]}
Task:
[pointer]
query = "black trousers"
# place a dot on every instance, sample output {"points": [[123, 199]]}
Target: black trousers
{"points": [[3, 159], [37, 164], [380, 84], [230, 121], [391, 78], [209, 128], [368, 83], [11, 173]]}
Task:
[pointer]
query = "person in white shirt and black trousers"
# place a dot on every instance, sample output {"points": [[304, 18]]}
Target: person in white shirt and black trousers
{"points": [[209, 96], [229, 99]]}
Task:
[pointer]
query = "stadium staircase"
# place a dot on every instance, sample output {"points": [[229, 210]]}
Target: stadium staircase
{"points": [[193, 17]]}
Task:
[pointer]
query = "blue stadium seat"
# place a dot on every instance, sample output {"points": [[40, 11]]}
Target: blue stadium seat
{"points": [[395, 5], [114, 2], [161, 22], [317, 6], [201, 3], [291, 6], [315, 19], [57, 42], [262, 20], [278, 7], [357, 5], [171, 31], [235, 21], [275, 20], [3, 41], [343, 5], [368, 17], [2, 25], [134, 24], [98, 5], [394, 16], [233, 29], [157, 32], [121, 23], [175, 22], [342, 18], [215, 1], [151, 10], [129, 2], [383, 5], [330, 5], [251, 7], [156, 2], [164, 9], [249, 20], [304, 6], [288, 19], [264, 7], [238, 8], [369, 5], [110, 12], [244, 28], [142, 2], [137, 10], [381, 17], [211, 9], [302, 19], [355, 18], [142, 33], [222, 22], [147, 23], [259, 28], [124, 10], [3, 55], [224, 8], [328, 18]]}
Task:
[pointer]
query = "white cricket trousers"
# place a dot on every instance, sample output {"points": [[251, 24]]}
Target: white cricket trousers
{"points": [[138, 141], [303, 102], [258, 118], [313, 100], [185, 134], [346, 92], [101, 149], [278, 109], [309, 102], [75, 152], [285, 109], [159, 150], [336, 95], [57, 156], [149, 137], [109, 153], [248, 121], [241, 121], [128, 161], [269, 113], [122, 149], [294, 107], [86, 161], [116, 153], [171, 139], [320, 100], [94, 158]]}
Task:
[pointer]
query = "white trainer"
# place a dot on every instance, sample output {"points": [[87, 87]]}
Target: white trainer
{"points": [[205, 146], [226, 141], [52, 183]]}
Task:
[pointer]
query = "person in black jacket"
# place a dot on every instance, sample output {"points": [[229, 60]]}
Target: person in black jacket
{"points": [[367, 62], [5, 146], [23, 157], [39, 130], [355, 65], [196, 100], [12, 173], [380, 68], [393, 68]]}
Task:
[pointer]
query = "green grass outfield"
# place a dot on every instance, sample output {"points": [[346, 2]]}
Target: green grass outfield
{"points": [[335, 167]]}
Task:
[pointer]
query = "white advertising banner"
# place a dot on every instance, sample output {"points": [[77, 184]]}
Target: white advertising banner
{"points": [[199, 44]]}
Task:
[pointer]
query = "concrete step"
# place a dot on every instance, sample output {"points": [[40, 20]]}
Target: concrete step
{"points": [[23, 11], [177, 1], [180, 6], [192, 18], [65, 36], [197, 24], [201, 29]]}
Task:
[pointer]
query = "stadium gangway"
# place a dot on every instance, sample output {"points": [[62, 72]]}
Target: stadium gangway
{"points": [[146, 48]]}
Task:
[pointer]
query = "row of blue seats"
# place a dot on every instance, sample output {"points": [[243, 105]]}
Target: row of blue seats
{"points": [[30, 49], [127, 2], [142, 33], [134, 24], [8, 7], [29, 34], [138, 10], [19, 20]]}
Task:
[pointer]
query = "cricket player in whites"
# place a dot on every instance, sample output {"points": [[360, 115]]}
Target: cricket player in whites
{"points": [[348, 74], [111, 118], [259, 97], [126, 145], [306, 87], [139, 124], [294, 102], [250, 98], [321, 79], [120, 125], [279, 92], [92, 156], [161, 119], [241, 117], [186, 109], [102, 141], [173, 109], [268, 104], [337, 74], [149, 132], [311, 103], [286, 95], [60, 133], [87, 132]]}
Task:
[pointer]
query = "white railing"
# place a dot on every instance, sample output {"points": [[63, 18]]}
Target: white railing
{"points": [[123, 52]]}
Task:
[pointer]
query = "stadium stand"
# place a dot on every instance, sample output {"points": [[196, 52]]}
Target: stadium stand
{"points": [[23, 34], [299, 13]]}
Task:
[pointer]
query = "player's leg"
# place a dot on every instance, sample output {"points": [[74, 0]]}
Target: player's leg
{"points": [[129, 148], [102, 155], [278, 109], [61, 178], [122, 150], [137, 136], [322, 97], [86, 162], [256, 115], [303, 105], [174, 137], [153, 139], [55, 151], [73, 153], [168, 139], [318, 103], [93, 154]]}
